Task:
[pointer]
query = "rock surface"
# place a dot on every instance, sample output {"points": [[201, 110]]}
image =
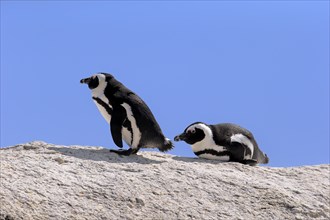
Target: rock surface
{"points": [[45, 181]]}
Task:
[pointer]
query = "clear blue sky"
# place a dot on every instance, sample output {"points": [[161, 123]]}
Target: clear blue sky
{"points": [[263, 65]]}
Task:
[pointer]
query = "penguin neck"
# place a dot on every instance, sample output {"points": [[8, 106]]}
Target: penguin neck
{"points": [[99, 91]]}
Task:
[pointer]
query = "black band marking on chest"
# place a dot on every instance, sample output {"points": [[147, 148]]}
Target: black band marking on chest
{"points": [[213, 152], [104, 105]]}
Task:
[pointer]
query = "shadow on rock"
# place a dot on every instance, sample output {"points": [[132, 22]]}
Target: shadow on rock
{"points": [[197, 160], [237, 165], [102, 155]]}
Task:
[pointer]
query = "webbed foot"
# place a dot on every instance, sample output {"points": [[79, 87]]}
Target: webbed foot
{"points": [[250, 162], [125, 152]]}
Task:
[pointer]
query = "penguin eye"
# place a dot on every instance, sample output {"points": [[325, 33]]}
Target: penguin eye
{"points": [[193, 131], [94, 82]]}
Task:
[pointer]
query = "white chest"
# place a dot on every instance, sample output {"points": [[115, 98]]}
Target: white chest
{"points": [[102, 107], [208, 146], [103, 102]]}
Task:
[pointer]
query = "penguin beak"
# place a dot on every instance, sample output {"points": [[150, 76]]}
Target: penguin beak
{"points": [[180, 137], [86, 80]]}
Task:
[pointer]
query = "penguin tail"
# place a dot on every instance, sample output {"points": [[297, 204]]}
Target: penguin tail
{"points": [[168, 145], [266, 159]]}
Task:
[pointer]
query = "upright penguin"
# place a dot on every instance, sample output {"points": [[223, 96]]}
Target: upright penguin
{"points": [[129, 117], [225, 142]]}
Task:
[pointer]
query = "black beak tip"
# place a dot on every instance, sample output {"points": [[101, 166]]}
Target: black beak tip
{"points": [[177, 138], [85, 81]]}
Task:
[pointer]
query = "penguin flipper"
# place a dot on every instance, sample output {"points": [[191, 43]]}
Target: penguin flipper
{"points": [[117, 120], [237, 151], [238, 154]]}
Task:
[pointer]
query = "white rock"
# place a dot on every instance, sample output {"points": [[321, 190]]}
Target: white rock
{"points": [[45, 181]]}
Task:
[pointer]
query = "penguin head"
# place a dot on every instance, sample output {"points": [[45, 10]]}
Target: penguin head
{"points": [[194, 133], [97, 80]]}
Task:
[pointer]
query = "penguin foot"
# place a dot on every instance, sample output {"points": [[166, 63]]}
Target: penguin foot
{"points": [[125, 152], [250, 162]]}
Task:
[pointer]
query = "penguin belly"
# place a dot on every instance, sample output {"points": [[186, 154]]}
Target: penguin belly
{"points": [[133, 133], [127, 133], [127, 136], [211, 156], [210, 151]]}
